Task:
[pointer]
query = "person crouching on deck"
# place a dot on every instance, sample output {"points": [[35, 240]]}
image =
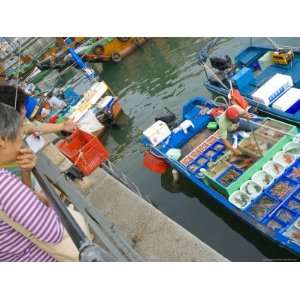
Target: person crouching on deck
{"points": [[20, 203], [233, 119]]}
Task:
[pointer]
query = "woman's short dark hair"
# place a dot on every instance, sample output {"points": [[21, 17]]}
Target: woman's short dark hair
{"points": [[9, 122], [8, 96]]}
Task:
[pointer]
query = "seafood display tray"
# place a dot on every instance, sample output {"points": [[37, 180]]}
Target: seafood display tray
{"points": [[211, 154], [281, 185], [226, 171], [291, 172]]}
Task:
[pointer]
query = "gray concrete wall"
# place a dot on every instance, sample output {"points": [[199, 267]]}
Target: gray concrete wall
{"points": [[155, 236]]}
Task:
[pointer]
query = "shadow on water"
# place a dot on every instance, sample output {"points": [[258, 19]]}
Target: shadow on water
{"points": [[165, 73]]}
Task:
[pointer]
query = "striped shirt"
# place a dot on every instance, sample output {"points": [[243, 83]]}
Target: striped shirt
{"points": [[20, 204]]}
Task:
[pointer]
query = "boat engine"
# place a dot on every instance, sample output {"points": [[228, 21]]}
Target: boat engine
{"points": [[221, 63]]}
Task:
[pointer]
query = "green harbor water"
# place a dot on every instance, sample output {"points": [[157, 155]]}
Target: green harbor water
{"points": [[165, 73]]}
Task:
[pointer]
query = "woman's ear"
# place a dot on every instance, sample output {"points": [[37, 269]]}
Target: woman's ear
{"points": [[2, 143]]}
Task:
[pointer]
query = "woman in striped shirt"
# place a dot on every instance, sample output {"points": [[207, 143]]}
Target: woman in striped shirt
{"points": [[20, 203]]}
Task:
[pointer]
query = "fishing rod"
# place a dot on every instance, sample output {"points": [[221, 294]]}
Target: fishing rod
{"points": [[88, 250]]}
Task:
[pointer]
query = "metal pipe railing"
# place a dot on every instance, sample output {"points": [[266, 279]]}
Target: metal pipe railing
{"points": [[88, 251]]}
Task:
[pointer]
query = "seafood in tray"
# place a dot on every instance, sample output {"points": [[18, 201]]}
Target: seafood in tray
{"points": [[274, 225], [294, 173], [284, 158], [262, 178], [262, 207], [297, 223], [292, 148], [218, 147], [293, 233], [273, 168], [251, 188], [209, 154], [201, 161], [229, 176], [193, 168], [282, 189], [240, 199], [294, 205], [284, 215]]}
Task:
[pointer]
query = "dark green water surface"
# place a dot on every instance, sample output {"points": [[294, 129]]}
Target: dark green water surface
{"points": [[165, 73]]}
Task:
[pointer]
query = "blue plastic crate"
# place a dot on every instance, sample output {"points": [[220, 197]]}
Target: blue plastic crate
{"points": [[218, 146], [285, 216], [289, 172], [262, 206], [201, 161], [223, 174], [210, 153], [274, 224], [296, 194], [193, 167], [292, 188], [293, 204]]}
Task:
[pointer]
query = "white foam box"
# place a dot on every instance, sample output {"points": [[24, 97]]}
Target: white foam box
{"points": [[273, 88], [287, 99], [157, 132]]}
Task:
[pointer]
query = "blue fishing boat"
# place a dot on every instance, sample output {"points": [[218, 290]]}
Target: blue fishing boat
{"points": [[269, 78], [261, 187]]}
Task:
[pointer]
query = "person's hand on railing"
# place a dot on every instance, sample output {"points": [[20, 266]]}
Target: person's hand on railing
{"points": [[26, 159]]}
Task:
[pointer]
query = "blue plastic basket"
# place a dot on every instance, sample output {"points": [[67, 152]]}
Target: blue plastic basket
{"points": [[270, 192], [219, 178], [293, 204], [285, 216], [201, 161], [260, 210], [289, 172], [296, 195], [274, 224]]}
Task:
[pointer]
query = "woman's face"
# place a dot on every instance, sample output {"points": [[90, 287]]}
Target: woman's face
{"points": [[10, 149]]}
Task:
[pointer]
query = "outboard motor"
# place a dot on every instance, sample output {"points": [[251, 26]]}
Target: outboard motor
{"points": [[221, 63], [169, 118]]}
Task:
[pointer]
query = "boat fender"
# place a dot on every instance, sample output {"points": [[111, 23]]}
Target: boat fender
{"points": [[174, 153]]}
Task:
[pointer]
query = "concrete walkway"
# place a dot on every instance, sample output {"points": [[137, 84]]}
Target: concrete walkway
{"points": [[153, 235]]}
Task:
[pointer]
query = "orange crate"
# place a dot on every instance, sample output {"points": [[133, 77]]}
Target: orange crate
{"points": [[84, 150]]}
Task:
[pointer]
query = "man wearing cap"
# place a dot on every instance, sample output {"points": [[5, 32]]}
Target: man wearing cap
{"points": [[229, 122]]}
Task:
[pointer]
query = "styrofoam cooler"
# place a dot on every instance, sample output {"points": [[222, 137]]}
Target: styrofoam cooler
{"points": [[157, 132], [287, 100], [273, 88]]}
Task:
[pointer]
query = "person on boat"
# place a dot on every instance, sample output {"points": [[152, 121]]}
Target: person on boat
{"points": [[19, 203], [233, 119], [23, 164]]}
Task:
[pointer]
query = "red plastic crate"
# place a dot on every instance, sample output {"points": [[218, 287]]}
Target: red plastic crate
{"points": [[84, 150]]}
